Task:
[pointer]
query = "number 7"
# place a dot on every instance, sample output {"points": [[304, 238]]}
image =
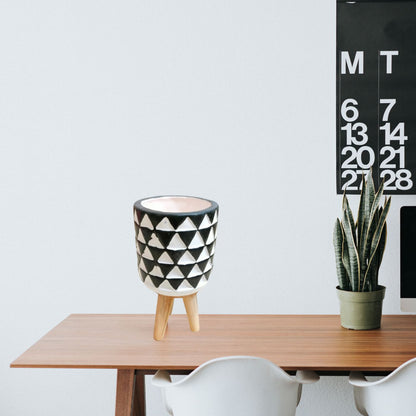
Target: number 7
{"points": [[390, 104]]}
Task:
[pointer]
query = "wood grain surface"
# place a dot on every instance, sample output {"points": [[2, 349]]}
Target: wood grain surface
{"points": [[316, 342]]}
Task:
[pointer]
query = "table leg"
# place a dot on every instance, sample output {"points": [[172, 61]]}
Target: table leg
{"points": [[131, 394], [124, 395], [139, 395]]}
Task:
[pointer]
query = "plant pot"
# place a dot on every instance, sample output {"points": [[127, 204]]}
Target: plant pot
{"points": [[361, 310], [175, 242]]}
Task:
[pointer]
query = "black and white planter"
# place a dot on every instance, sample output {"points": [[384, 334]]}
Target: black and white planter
{"points": [[175, 245], [175, 241]]}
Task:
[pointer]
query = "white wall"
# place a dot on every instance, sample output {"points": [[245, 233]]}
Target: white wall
{"points": [[102, 103]]}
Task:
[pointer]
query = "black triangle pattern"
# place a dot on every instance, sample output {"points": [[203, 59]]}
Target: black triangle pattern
{"points": [[203, 264], [137, 214], [186, 268], [147, 234], [154, 218], [210, 247], [142, 246], [175, 283], [176, 255], [176, 220], [143, 274], [157, 281], [196, 252], [205, 233], [211, 215], [148, 263], [166, 268], [165, 237], [187, 236], [214, 228], [193, 281], [197, 219]]}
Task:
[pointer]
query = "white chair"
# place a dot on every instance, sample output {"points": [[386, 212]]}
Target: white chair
{"points": [[392, 395], [239, 385]]}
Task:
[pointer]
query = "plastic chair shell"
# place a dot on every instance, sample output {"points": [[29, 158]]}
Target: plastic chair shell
{"points": [[239, 385], [394, 394]]}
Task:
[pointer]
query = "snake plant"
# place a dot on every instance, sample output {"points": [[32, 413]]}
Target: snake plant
{"points": [[359, 246]]}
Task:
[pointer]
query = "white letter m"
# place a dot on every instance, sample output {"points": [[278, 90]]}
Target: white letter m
{"points": [[352, 66]]}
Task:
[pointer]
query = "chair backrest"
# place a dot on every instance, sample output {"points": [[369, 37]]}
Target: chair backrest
{"points": [[392, 395], [241, 386]]}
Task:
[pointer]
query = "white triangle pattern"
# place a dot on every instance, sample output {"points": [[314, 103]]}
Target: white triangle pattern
{"points": [[142, 266], [146, 223], [176, 243], [140, 237], [156, 272], [204, 255], [186, 258], [166, 285], [196, 271], [165, 259], [175, 273], [184, 285], [148, 282], [186, 225], [205, 223], [197, 241], [147, 254], [208, 267], [155, 242], [136, 220], [165, 225], [215, 219], [211, 237]]}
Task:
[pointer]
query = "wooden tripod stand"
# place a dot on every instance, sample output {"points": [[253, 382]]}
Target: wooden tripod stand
{"points": [[164, 309]]}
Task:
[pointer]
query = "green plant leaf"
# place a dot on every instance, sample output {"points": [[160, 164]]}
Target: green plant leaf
{"points": [[370, 227], [346, 258], [377, 237], [377, 197], [347, 209], [362, 211], [354, 260], [338, 239], [370, 187], [366, 245]]}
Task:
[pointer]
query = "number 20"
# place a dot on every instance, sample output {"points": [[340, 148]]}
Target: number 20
{"points": [[358, 156]]}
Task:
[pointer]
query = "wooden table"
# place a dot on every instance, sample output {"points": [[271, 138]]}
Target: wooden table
{"points": [[125, 343]]}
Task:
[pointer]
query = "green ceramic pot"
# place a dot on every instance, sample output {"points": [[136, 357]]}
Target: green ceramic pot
{"points": [[361, 310]]}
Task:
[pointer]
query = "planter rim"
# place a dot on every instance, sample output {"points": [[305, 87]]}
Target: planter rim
{"points": [[139, 205], [362, 296]]}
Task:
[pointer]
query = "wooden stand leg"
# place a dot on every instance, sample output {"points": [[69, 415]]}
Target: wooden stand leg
{"points": [[191, 306], [164, 306]]}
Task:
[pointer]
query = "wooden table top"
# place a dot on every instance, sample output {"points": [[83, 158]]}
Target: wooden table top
{"points": [[315, 342]]}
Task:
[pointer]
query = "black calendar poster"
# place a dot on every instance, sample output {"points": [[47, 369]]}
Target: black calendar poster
{"points": [[376, 94]]}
